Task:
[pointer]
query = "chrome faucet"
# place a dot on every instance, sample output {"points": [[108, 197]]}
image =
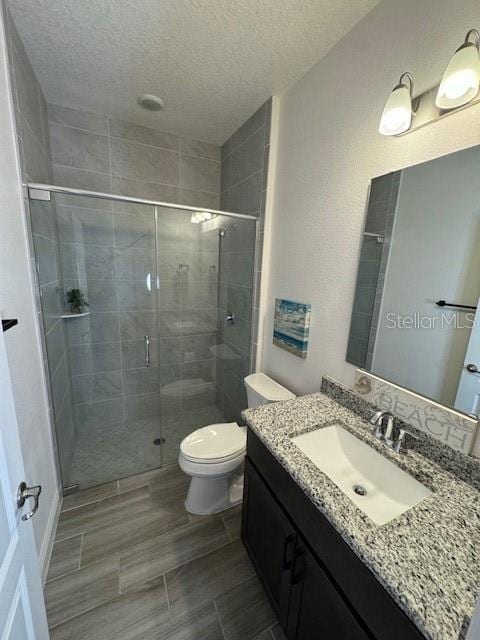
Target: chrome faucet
{"points": [[381, 433], [400, 445], [385, 432], [389, 431]]}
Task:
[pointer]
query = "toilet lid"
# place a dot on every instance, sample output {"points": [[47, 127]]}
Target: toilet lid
{"points": [[214, 442]]}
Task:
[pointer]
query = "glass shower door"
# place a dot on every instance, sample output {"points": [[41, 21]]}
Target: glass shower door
{"points": [[147, 318], [97, 271], [205, 271]]}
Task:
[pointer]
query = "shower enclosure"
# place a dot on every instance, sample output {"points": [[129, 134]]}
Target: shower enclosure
{"points": [[158, 338]]}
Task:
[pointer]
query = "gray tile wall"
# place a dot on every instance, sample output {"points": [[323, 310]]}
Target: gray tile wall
{"points": [[244, 183], [133, 160], [237, 262], [371, 269], [100, 153], [34, 145], [109, 253], [188, 257], [108, 249]]}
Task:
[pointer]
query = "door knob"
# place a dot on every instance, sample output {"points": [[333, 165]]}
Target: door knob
{"points": [[230, 319], [23, 494], [472, 368]]}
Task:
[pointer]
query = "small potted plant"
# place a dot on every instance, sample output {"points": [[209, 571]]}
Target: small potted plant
{"points": [[77, 300]]}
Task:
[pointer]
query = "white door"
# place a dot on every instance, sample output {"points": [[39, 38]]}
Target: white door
{"points": [[22, 608], [468, 392]]}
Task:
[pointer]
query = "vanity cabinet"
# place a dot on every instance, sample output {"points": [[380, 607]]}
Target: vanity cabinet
{"points": [[317, 585], [271, 540]]}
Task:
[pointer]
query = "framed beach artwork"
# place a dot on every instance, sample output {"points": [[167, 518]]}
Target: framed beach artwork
{"points": [[291, 326]]}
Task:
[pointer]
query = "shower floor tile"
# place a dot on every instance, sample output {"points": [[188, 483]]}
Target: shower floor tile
{"points": [[126, 449], [119, 450]]}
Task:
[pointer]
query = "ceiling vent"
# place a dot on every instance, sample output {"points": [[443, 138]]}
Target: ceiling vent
{"points": [[150, 102]]}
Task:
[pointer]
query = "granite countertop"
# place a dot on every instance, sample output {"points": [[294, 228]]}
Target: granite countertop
{"points": [[428, 558]]}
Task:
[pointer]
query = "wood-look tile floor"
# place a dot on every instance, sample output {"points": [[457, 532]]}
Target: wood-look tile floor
{"points": [[129, 563]]}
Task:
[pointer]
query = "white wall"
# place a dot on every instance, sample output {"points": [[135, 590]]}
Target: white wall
{"points": [[23, 341], [433, 256], [329, 149]]}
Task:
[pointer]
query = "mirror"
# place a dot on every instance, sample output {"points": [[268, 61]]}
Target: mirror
{"points": [[418, 282]]}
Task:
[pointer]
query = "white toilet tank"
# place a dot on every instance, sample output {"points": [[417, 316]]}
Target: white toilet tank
{"points": [[261, 390]]}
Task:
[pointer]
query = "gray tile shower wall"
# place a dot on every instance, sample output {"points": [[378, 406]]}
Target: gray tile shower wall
{"points": [[108, 249], [245, 164], [109, 253], [29, 108], [244, 183], [35, 156], [96, 152], [188, 273]]}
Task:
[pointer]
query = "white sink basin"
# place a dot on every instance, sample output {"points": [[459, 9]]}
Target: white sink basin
{"points": [[357, 468]]}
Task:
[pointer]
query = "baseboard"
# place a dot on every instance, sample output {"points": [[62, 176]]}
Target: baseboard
{"points": [[49, 537]]}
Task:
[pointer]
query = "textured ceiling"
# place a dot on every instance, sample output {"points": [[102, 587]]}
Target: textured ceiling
{"points": [[213, 61]]}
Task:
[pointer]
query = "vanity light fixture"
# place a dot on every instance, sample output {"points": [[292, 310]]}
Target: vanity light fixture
{"points": [[461, 79], [397, 113]]}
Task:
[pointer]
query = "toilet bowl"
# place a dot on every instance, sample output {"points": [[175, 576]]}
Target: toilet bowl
{"points": [[213, 455]]}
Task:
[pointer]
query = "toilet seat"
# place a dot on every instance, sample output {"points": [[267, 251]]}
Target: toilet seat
{"points": [[215, 443]]}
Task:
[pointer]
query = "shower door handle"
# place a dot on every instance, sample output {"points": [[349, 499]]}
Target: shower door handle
{"points": [[147, 351]]}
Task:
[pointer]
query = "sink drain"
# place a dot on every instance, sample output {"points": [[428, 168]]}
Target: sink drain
{"points": [[359, 490]]}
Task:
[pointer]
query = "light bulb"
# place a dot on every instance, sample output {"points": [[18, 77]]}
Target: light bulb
{"points": [[397, 113], [461, 79]]}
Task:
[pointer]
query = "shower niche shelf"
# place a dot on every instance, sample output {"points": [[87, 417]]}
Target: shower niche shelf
{"points": [[67, 316]]}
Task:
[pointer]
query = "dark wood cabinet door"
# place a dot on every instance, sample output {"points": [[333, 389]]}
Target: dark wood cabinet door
{"points": [[317, 610], [270, 540]]}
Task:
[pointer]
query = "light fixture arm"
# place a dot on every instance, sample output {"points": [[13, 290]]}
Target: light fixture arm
{"points": [[476, 37], [409, 76]]}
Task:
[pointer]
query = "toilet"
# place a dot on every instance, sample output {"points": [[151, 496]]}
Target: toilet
{"points": [[213, 455]]}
